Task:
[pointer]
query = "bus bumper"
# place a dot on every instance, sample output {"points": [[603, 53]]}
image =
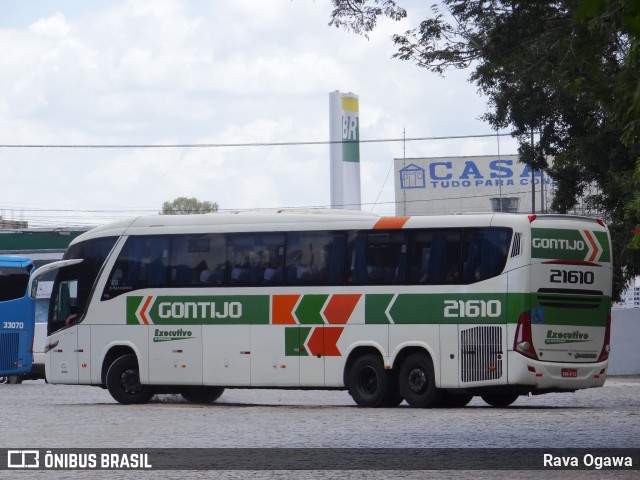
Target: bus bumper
{"points": [[546, 376]]}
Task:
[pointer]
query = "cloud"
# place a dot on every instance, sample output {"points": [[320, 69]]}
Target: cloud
{"points": [[55, 27], [186, 72]]}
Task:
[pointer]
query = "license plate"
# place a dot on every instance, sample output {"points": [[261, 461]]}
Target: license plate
{"points": [[570, 372]]}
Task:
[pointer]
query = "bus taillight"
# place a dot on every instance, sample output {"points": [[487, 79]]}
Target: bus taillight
{"points": [[606, 347], [523, 342]]}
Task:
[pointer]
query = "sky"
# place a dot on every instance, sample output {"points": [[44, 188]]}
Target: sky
{"points": [[196, 72]]}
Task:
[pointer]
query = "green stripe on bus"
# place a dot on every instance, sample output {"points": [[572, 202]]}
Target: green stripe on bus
{"points": [[603, 239], [567, 244], [449, 308], [133, 303], [294, 339], [407, 308], [562, 309], [309, 308], [375, 306], [201, 309]]}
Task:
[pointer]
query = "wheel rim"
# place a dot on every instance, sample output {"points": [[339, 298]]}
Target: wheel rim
{"points": [[130, 381], [368, 381], [417, 380]]}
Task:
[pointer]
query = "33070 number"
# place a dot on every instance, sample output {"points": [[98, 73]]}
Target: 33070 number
{"points": [[13, 325]]}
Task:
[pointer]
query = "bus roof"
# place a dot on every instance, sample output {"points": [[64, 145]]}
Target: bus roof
{"points": [[307, 220]]}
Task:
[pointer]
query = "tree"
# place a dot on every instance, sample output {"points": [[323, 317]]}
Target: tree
{"points": [[566, 70], [186, 206]]}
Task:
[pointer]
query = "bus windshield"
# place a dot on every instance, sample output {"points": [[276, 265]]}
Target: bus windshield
{"points": [[74, 283]]}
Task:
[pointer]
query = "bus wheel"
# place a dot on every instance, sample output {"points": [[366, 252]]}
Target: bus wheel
{"points": [[123, 381], [500, 400], [456, 400], [4, 379], [417, 382], [369, 382], [201, 394]]}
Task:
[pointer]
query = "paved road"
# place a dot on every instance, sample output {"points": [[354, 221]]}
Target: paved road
{"points": [[38, 415]]}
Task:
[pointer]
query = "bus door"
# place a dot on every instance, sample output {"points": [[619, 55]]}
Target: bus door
{"points": [[62, 366], [226, 355], [63, 352], [270, 363], [313, 360], [175, 354]]}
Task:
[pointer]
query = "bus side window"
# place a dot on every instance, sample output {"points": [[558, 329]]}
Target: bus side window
{"points": [[315, 258], [386, 255], [256, 259], [214, 271], [142, 263], [484, 253], [197, 260], [357, 248], [434, 257]]}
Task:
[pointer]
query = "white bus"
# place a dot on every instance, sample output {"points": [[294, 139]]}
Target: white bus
{"points": [[431, 310]]}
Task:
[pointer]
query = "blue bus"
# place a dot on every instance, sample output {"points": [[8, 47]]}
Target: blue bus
{"points": [[17, 318]]}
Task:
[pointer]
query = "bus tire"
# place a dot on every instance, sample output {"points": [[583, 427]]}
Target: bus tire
{"points": [[456, 400], [201, 394], [501, 399], [417, 382], [369, 383], [123, 381]]}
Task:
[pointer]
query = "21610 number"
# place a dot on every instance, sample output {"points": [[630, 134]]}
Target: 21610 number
{"points": [[472, 308], [573, 277]]}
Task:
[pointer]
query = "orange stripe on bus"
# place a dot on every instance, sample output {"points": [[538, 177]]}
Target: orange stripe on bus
{"points": [[282, 309], [143, 310], [390, 223], [596, 250], [340, 307]]}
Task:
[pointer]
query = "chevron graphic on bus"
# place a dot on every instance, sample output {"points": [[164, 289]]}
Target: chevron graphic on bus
{"points": [[312, 341], [578, 245], [294, 309]]}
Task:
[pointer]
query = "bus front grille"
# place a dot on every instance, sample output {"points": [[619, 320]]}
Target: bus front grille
{"points": [[8, 351], [481, 354]]}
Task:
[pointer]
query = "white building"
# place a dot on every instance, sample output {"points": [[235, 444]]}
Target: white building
{"points": [[431, 186], [631, 296]]}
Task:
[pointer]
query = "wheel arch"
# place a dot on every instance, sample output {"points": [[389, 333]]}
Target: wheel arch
{"points": [[114, 352], [356, 353], [405, 351]]}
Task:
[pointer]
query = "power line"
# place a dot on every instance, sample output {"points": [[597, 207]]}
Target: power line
{"points": [[86, 215], [247, 144]]}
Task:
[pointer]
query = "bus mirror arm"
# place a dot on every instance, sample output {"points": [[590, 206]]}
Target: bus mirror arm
{"points": [[50, 346]]}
